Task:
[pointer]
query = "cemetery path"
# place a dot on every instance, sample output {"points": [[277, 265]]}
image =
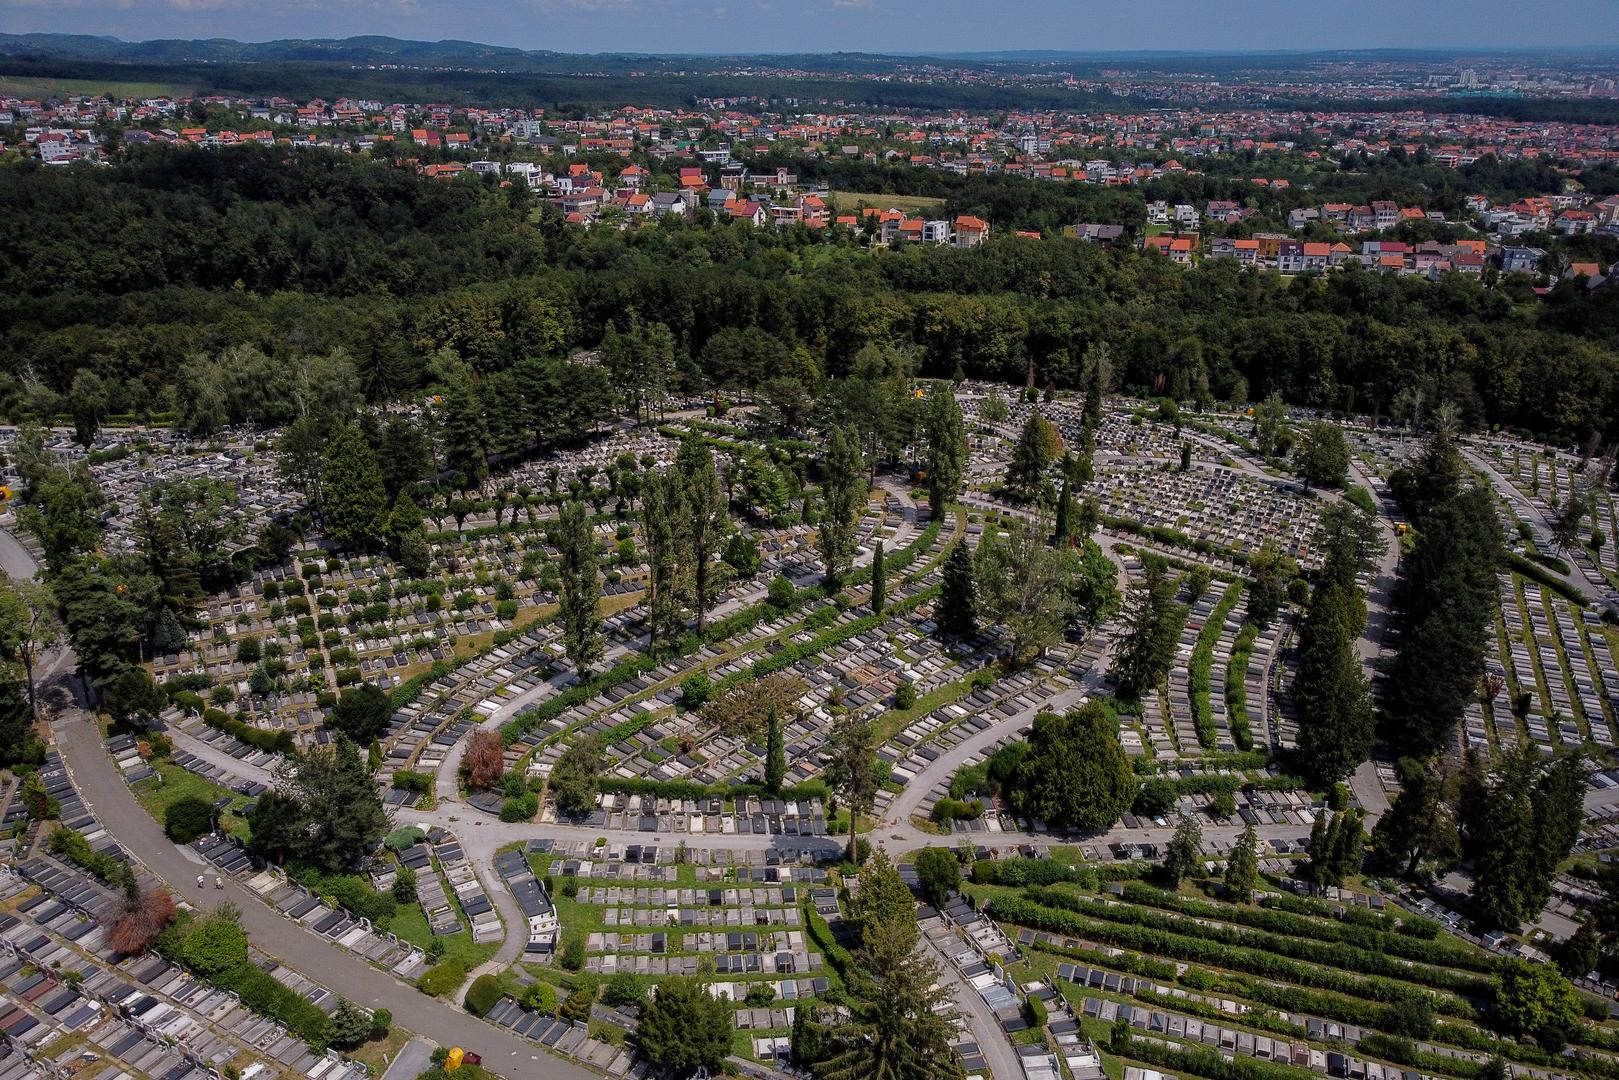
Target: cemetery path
{"points": [[992, 1041], [1578, 577], [213, 755], [15, 559], [110, 799]]}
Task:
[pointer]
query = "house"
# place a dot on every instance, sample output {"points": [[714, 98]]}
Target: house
{"points": [[1524, 260], [1177, 249], [1104, 235], [1385, 214], [971, 231], [1290, 257], [668, 202], [1302, 217]]}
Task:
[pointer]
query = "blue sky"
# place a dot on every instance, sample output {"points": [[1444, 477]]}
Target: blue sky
{"points": [[856, 25]]}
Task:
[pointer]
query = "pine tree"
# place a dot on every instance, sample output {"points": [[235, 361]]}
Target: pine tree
{"points": [[1152, 627], [1242, 869], [1185, 848], [844, 493], [1032, 456], [464, 432], [407, 537], [946, 436], [707, 522], [1064, 530], [1334, 699], [1444, 602], [580, 589], [775, 754], [958, 595], [879, 584], [356, 503]]}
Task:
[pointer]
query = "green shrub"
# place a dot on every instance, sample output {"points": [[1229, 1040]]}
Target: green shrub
{"points": [[442, 977], [541, 997], [482, 995], [187, 818]]}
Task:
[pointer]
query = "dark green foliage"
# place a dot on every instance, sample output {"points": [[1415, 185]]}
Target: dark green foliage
{"points": [[581, 588], [1531, 816], [879, 580], [482, 995], [361, 714], [1032, 456], [775, 754], [187, 818], [938, 874], [682, 1028], [1536, 1000], [1075, 775], [958, 600], [326, 815], [573, 782], [1443, 601], [354, 502], [1152, 626], [1337, 841]]}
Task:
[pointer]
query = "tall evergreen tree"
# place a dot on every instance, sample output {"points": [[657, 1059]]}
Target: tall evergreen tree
{"points": [[707, 522], [664, 522], [1152, 627], [407, 537], [1242, 868], [946, 436], [852, 769], [1063, 533], [580, 596], [1074, 774], [844, 493], [1334, 698], [1032, 455], [1444, 601], [356, 504], [879, 582], [958, 595], [775, 753], [1185, 848], [1421, 827], [463, 430]]}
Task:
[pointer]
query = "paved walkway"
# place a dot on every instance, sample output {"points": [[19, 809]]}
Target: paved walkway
{"points": [[992, 1041], [97, 780]]}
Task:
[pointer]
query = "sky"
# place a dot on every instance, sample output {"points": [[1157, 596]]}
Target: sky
{"points": [[890, 26]]}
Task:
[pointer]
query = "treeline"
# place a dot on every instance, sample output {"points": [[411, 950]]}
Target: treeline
{"points": [[187, 254]]}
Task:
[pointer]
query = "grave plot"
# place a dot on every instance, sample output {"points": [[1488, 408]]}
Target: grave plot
{"points": [[1291, 979], [728, 919], [1228, 510], [65, 989], [1557, 666]]}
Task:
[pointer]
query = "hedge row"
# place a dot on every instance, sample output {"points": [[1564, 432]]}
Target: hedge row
{"points": [[1203, 659], [1198, 950], [1236, 686], [1441, 952], [276, 742], [1324, 953], [686, 789], [1410, 925]]}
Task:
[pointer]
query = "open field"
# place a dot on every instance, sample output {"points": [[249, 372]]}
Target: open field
{"points": [[30, 86], [849, 200]]}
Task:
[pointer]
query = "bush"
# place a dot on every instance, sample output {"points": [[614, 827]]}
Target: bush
{"points": [[520, 808], [573, 953], [187, 818], [442, 977], [695, 690], [623, 991], [541, 998], [905, 696], [781, 594], [1156, 797], [482, 995]]}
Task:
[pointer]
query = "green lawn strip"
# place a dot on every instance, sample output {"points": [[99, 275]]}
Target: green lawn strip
{"points": [[173, 783], [894, 721], [1580, 719], [1203, 660], [1236, 686], [1324, 966]]}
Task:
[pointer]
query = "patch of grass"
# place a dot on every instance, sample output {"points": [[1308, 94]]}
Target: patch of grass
{"points": [[410, 924], [173, 783], [849, 201], [30, 86]]}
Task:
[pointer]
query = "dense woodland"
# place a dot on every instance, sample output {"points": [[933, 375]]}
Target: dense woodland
{"points": [[146, 272]]}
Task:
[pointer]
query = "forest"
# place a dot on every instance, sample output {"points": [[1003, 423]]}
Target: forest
{"points": [[145, 274]]}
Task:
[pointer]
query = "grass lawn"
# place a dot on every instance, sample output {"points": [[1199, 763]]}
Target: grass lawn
{"points": [[378, 1052], [29, 86], [911, 204], [411, 925], [173, 783]]}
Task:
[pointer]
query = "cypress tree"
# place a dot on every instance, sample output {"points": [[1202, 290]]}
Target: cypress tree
{"points": [[581, 589], [356, 505], [844, 493], [1242, 869], [958, 595], [879, 583], [1063, 533], [775, 754], [946, 447]]}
